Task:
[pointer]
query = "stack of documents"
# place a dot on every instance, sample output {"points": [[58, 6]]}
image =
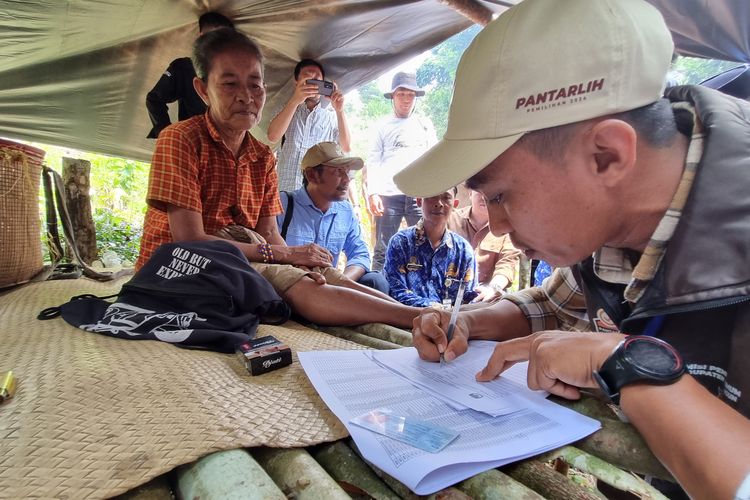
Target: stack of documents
{"points": [[454, 382], [498, 422]]}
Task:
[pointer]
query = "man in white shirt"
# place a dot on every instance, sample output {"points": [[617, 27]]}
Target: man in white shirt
{"points": [[399, 140], [304, 121]]}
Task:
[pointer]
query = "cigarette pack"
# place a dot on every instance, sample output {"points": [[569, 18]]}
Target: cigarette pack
{"points": [[264, 354]]}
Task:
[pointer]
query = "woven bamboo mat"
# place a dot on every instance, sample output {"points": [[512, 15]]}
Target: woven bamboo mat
{"points": [[96, 416]]}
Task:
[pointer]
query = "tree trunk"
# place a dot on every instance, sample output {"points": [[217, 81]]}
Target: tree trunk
{"points": [[77, 188], [548, 483], [493, 484], [351, 472], [298, 474]]}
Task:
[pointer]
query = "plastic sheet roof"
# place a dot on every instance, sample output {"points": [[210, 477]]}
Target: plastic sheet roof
{"points": [[75, 72]]}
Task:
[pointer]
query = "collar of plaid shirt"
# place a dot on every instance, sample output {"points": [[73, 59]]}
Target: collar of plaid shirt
{"points": [[245, 148], [613, 264]]}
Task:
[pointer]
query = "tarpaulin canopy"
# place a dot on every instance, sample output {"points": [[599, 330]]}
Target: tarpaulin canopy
{"points": [[76, 73]]}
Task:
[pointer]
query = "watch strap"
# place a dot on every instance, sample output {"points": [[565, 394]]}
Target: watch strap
{"points": [[606, 382], [617, 371]]}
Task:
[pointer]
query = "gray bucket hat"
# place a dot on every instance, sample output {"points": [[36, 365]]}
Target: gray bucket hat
{"points": [[404, 80]]}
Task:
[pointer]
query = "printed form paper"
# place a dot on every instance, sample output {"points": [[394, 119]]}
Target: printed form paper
{"points": [[352, 383], [454, 382]]}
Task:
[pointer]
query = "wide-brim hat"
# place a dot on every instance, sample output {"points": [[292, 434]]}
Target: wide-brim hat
{"points": [[406, 81], [329, 153], [535, 67]]}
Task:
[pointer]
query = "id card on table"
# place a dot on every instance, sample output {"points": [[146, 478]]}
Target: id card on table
{"points": [[412, 431]]}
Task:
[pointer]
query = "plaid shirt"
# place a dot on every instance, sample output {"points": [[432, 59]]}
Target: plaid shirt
{"points": [[306, 129], [559, 303], [495, 256], [193, 169]]}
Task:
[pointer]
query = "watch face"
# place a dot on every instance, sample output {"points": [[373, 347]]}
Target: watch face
{"points": [[652, 356]]}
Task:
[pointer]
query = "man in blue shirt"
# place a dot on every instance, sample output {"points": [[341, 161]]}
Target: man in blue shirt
{"points": [[319, 213], [425, 263]]}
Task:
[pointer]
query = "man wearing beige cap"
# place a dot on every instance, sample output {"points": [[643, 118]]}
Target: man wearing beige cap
{"points": [[558, 120], [319, 213], [398, 140]]}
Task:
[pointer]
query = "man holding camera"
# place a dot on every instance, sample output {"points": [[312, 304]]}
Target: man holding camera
{"points": [[306, 120]]}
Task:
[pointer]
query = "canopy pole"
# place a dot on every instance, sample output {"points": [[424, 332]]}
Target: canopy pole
{"points": [[472, 9]]}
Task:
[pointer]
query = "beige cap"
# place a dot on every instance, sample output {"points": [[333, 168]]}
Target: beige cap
{"points": [[329, 153], [543, 63]]}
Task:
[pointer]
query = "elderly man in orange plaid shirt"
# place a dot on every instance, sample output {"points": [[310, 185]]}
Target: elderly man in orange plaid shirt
{"points": [[211, 179]]}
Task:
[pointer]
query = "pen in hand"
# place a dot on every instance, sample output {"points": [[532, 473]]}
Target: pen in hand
{"points": [[454, 317]]}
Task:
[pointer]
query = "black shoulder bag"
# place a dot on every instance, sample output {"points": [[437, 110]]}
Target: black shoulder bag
{"points": [[199, 295]]}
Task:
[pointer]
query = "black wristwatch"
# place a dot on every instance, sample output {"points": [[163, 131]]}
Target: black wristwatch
{"points": [[639, 358]]}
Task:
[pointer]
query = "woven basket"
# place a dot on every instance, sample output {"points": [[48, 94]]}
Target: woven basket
{"points": [[20, 243]]}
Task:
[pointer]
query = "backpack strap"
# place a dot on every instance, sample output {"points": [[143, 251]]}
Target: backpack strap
{"points": [[288, 214], [55, 311]]}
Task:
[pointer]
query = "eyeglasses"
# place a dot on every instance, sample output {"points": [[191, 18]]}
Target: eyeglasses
{"points": [[341, 172]]}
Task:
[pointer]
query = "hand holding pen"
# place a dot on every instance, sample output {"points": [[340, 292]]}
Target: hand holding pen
{"points": [[454, 317], [429, 335]]}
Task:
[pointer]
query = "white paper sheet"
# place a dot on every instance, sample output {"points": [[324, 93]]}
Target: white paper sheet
{"points": [[454, 382], [351, 383]]}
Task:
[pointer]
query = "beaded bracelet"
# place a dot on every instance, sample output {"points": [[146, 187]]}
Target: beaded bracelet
{"points": [[266, 253]]}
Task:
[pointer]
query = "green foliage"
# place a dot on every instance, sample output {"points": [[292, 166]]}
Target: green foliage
{"points": [[374, 105], [435, 106], [115, 233], [431, 73], [118, 198], [440, 68], [437, 74], [363, 110]]}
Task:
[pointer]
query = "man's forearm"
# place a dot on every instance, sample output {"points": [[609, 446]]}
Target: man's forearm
{"points": [[268, 229], [249, 250], [344, 136], [280, 123], [702, 441], [354, 272], [500, 321]]}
